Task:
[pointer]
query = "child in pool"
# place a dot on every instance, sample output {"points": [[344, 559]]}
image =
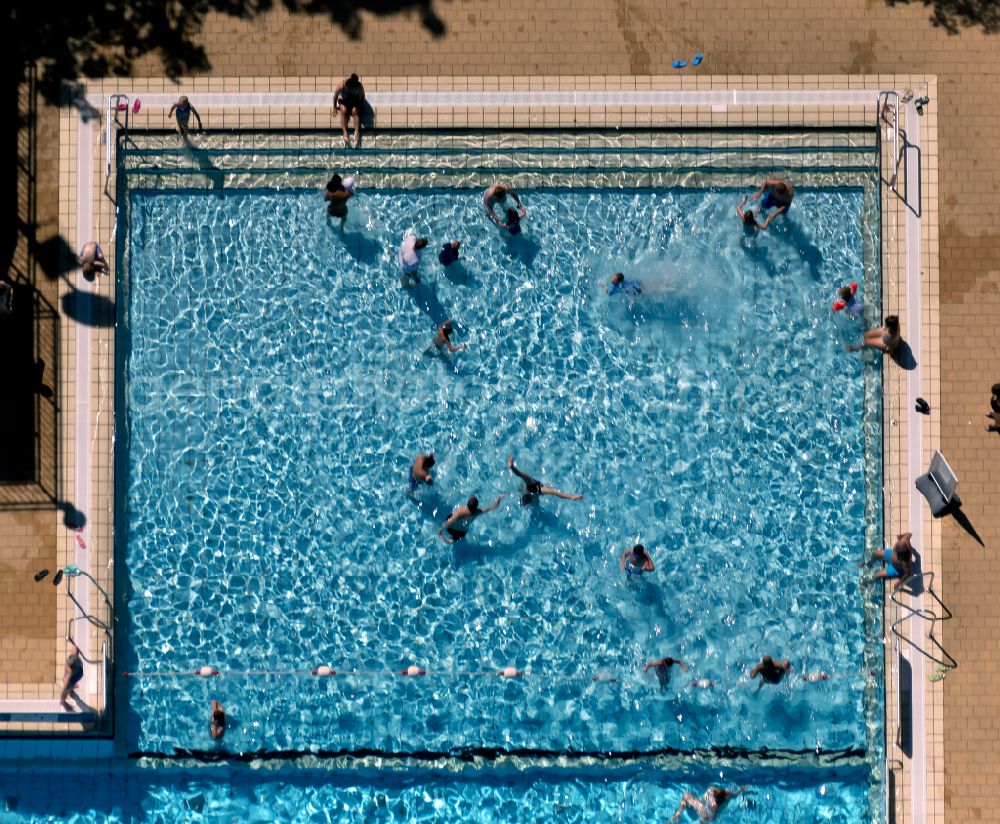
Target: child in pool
{"points": [[847, 299]]}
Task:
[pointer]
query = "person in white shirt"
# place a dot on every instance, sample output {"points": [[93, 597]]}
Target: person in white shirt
{"points": [[409, 259]]}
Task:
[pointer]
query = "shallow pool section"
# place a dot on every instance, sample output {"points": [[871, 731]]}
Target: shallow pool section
{"points": [[313, 795], [278, 386]]}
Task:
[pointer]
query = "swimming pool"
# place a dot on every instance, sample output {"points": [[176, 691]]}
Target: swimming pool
{"points": [[276, 389], [293, 795]]}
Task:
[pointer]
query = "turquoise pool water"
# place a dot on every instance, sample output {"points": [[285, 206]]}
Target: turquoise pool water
{"points": [[277, 392], [258, 796]]}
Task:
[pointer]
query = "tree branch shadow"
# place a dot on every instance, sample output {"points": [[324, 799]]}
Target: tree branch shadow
{"points": [[955, 15]]}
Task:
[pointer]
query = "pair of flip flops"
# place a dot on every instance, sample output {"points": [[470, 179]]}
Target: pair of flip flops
{"points": [[922, 407], [680, 64]]}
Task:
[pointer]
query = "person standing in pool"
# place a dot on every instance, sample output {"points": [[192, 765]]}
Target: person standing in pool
{"points": [[622, 286], [708, 806], [636, 560], [513, 222], [898, 560], [662, 667], [217, 726], [495, 196], [184, 111], [770, 671], [336, 196], [533, 488], [420, 471], [458, 523], [449, 253], [777, 194], [409, 259], [442, 339]]}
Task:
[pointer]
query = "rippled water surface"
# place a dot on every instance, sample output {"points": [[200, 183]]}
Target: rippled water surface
{"points": [[278, 389], [222, 795]]}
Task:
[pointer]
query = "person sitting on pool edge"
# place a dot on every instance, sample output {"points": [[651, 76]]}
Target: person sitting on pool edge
{"points": [[662, 667], [898, 560], [886, 337], [750, 224], [458, 523], [778, 194], [770, 671], [636, 560], [709, 805], [419, 473], [348, 98], [621, 286], [533, 488], [217, 726]]}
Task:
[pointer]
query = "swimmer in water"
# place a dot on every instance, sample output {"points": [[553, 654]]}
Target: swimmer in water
{"points": [[495, 196], [847, 299], [513, 222], [636, 560], [662, 667], [458, 523], [337, 196], [420, 471], [750, 224], [770, 671], [777, 194], [442, 339], [709, 805], [449, 253], [621, 286], [533, 488], [218, 723]]}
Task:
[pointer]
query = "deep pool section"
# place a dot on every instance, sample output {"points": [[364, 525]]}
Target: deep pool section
{"points": [[259, 796], [278, 388]]}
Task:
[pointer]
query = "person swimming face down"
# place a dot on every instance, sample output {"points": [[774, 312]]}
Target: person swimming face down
{"points": [[473, 504]]}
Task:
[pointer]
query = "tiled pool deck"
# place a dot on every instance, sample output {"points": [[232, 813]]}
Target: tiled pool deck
{"points": [[845, 37]]}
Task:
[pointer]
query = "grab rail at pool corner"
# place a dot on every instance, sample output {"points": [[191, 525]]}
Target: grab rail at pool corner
{"points": [[881, 108]]}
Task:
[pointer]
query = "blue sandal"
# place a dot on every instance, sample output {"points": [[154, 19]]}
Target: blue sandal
{"points": [[697, 59]]}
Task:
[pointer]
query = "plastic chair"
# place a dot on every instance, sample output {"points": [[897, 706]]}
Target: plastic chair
{"points": [[938, 485]]}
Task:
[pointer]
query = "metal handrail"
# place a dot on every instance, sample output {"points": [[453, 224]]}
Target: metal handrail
{"points": [[883, 109], [114, 106]]}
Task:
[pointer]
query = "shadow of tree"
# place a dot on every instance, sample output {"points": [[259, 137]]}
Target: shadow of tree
{"points": [[955, 15], [103, 38]]}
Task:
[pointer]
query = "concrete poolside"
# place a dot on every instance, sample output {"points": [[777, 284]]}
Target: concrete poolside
{"points": [[843, 37]]}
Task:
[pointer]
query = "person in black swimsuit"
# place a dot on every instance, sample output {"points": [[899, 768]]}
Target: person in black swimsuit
{"points": [[348, 99], [770, 671], [458, 523], [533, 488], [337, 196]]}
